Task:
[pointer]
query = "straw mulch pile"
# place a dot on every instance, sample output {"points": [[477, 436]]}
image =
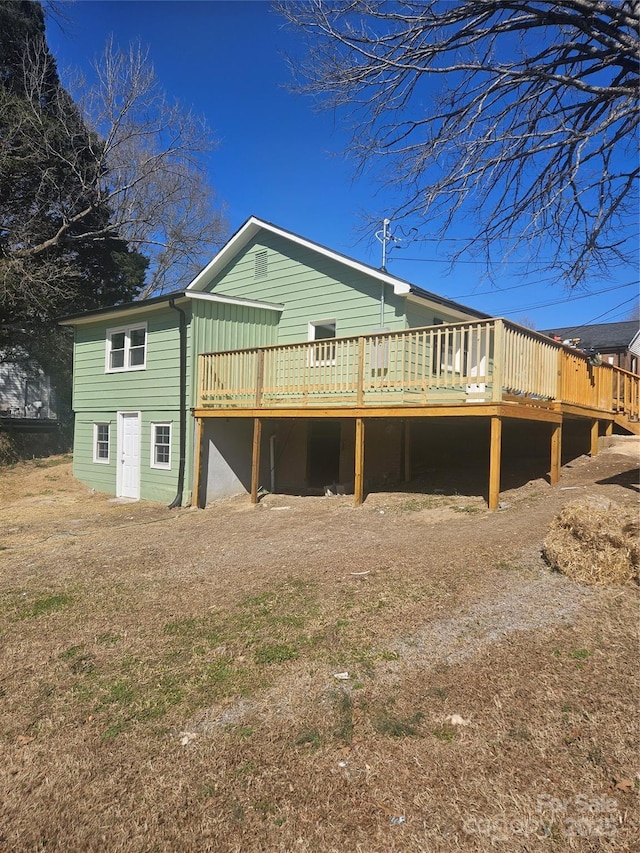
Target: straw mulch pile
{"points": [[595, 542]]}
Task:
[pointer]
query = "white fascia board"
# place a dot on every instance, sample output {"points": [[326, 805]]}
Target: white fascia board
{"points": [[234, 300], [249, 230], [134, 309], [634, 346]]}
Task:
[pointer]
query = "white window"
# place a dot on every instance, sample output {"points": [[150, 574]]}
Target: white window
{"points": [[101, 443], [323, 353], [126, 348], [161, 446]]}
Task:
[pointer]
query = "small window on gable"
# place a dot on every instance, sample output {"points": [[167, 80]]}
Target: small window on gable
{"points": [[161, 446], [261, 267], [438, 321], [101, 443], [126, 348]]}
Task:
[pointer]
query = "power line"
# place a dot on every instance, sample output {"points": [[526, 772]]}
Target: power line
{"points": [[599, 317], [536, 306], [395, 259], [560, 301]]}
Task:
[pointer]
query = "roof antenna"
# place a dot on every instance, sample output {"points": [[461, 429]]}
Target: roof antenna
{"points": [[383, 237]]}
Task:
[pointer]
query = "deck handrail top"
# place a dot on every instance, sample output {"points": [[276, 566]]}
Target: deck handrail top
{"points": [[400, 332], [413, 329]]}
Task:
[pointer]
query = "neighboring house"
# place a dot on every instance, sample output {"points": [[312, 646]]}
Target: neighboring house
{"points": [[617, 343], [25, 392], [265, 370]]}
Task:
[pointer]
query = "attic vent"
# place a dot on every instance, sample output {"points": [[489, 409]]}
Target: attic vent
{"points": [[261, 264]]}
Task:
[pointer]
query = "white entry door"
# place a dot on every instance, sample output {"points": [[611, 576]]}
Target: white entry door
{"points": [[129, 455]]}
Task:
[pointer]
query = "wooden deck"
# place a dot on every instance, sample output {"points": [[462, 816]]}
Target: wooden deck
{"points": [[491, 369], [462, 364]]}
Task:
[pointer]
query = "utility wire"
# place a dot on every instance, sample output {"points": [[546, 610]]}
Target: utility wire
{"points": [[463, 261], [569, 332], [560, 301], [496, 290]]}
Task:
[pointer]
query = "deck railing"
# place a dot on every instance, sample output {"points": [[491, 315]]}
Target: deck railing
{"points": [[483, 361]]}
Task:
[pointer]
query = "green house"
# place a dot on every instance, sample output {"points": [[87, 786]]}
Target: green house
{"points": [[135, 365], [269, 369]]}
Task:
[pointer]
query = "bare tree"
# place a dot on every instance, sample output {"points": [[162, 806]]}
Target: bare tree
{"points": [[521, 114], [135, 154]]}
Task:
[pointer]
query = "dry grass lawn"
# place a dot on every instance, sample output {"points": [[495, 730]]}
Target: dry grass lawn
{"points": [[168, 678]]}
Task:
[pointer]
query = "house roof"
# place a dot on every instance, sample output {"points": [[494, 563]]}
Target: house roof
{"points": [[243, 236], [604, 337], [248, 231], [114, 311]]}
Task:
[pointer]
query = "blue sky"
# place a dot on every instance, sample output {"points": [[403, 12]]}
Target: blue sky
{"points": [[281, 160]]}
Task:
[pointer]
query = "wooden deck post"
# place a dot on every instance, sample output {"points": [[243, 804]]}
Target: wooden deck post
{"points": [[595, 429], [360, 379], [255, 459], [556, 453], [495, 452], [259, 377], [358, 489], [608, 430], [407, 451], [197, 450], [498, 361]]}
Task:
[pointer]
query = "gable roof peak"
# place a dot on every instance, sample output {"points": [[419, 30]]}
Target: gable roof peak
{"points": [[253, 225]]}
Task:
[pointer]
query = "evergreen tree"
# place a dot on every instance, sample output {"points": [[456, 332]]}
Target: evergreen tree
{"points": [[50, 171], [49, 162]]}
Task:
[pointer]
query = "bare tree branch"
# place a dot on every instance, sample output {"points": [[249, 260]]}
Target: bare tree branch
{"points": [[141, 156], [522, 114]]}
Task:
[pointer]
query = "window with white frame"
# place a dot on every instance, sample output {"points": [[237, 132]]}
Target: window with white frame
{"points": [[161, 445], [324, 352], [126, 348], [101, 443]]}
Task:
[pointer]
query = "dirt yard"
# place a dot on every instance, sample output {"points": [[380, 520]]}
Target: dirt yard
{"points": [[308, 676]]}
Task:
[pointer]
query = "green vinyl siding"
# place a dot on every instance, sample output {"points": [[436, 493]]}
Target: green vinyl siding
{"points": [[156, 484], [221, 326], [312, 288], [154, 392], [98, 396], [158, 383]]}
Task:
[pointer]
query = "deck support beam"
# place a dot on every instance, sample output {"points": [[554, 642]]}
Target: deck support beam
{"points": [[495, 454], [358, 489], [608, 430], [556, 453], [595, 430], [255, 459], [197, 449]]}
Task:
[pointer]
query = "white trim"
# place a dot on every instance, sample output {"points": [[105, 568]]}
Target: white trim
{"points": [[235, 300], [312, 325], [126, 330], [99, 460], [164, 466], [249, 230], [120, 313]]}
